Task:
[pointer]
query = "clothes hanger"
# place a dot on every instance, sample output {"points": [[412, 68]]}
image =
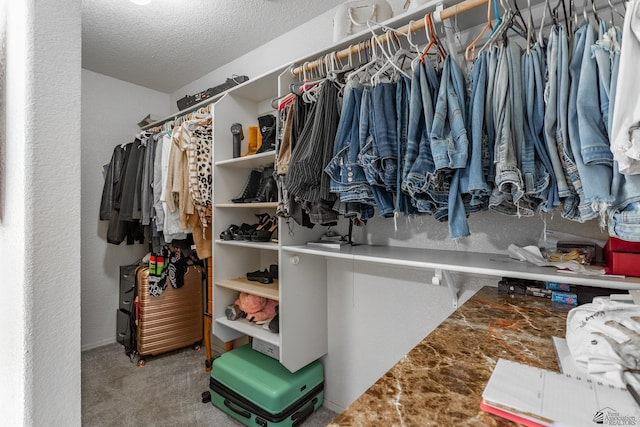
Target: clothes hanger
{"points": [[542, 23], [469, 52], [390, 61], [433, 41]]}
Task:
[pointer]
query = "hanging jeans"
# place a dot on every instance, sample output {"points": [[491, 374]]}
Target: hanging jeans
{"points": [[508, 191], [566, 120], [605, 49], [377, 171], [590, 146], [556, 52], [474, 177], [348, 180], [449, 141], [543, 178], [403, 90], [425, 186]]}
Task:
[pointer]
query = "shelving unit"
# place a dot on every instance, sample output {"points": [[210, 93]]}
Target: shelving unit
{"points": [[233, 259]]}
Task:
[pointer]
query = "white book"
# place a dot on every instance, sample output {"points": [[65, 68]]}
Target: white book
{"points": [[539, 397]]}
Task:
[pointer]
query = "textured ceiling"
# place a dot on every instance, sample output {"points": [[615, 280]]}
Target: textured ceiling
{"points": [[170, 43]]}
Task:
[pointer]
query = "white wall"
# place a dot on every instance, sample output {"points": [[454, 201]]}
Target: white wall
{"points": [[111, 109], [40, 216]]}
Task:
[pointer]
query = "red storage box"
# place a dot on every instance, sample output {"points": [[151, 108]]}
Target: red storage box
{"points": [[622, 257]]}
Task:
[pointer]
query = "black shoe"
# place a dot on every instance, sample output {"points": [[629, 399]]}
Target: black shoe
{"points": [[273, 270], [260, 276], [267, 124], [268, 190], [251, 188]]}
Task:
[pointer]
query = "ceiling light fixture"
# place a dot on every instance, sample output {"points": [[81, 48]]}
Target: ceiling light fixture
{"points": [[141, 2]]}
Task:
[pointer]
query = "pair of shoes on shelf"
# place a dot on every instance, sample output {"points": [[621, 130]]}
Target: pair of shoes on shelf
{"points": [[265, 277], [263, 232], [260, 187], [229, 233], [261, 138]]}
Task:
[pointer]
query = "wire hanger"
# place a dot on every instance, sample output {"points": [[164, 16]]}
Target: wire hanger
{"points": [[469, 52], [433, 40]]}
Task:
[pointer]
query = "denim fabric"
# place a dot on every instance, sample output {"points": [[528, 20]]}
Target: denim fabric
{"points": [[508, 190], [543, 181], [624, 214], [449, 143], [347, 176], [403, 89], [492, 65], [567, 121], [605, 50], [594, 142], [369, 157], [474, 177], [615, 67], [428, 189], [551, 111], [591, 143]]}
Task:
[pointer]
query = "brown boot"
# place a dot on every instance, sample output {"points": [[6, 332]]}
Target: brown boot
{"points": [[254, 140]]}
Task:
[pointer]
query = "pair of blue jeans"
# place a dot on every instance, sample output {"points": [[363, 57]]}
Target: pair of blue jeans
{"points": [[556, 51], [588, 136], [508, 191], [424, 185], [541, 184], [348, 180], [376, 158], [474, 178], [449, 142]]}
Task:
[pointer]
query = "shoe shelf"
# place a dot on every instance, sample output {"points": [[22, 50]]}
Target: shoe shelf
{"points": [[249, 162], [270, 246], [251, 329], [266, 205], [241, 284]]}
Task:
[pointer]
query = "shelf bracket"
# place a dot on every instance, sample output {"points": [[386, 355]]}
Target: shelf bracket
{"points": [[445, 275]]}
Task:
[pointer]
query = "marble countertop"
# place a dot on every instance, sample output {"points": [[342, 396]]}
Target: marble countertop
{"points": [[440, 381]]}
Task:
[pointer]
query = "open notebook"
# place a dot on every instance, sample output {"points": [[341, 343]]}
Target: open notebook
{"points": [[538, 397]]}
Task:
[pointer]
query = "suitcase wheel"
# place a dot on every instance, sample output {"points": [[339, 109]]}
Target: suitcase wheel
{"points": [[206, 397], [208, 363]]}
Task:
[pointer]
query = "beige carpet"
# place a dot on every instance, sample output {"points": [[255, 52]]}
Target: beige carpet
{"points": [[165, 392]]}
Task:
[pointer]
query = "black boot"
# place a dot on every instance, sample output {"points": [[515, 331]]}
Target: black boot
{"points": [[268, 191], [267, 125], [251, 188]]}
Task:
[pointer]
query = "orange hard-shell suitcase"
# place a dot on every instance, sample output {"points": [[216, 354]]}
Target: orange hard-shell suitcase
{"points": [[172, 320]]}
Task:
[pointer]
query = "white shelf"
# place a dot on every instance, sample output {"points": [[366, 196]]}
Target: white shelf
{"points": [[250, 162], [475, 263], [241, 284], [247, 328], [249, 244], [267, 205]]}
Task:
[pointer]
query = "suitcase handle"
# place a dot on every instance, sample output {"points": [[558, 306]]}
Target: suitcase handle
{"points": [[299, 417], [240, 412]]}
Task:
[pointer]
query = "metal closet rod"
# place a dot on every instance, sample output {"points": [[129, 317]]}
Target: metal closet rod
{"points": [[443, 14]]}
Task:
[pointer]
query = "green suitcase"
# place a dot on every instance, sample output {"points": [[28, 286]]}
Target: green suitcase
{"points": [[257, 390]]}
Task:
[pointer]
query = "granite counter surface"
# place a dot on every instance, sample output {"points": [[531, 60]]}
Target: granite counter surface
{"points": [[440, 381]]}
